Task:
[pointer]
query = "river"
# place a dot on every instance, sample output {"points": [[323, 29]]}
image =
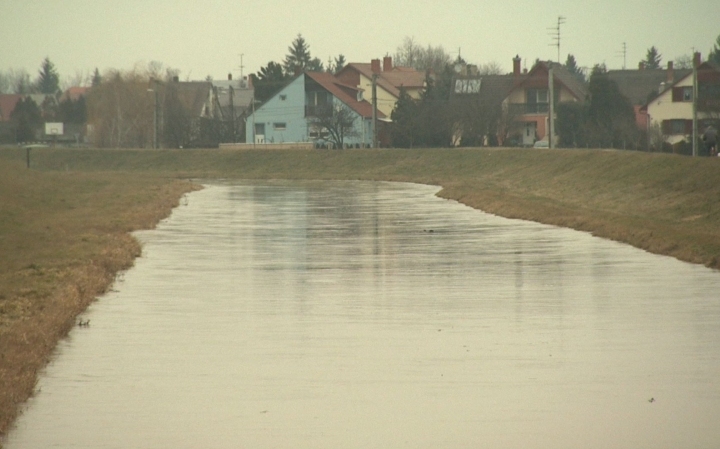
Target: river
{"points": [[376, 315]]}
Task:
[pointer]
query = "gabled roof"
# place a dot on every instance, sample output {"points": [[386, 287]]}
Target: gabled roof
{"points": [[708, 73], [574, 84], [390, 80], [343, 92], [193, 95], [493, 89], [638, 85], [577, 88]]}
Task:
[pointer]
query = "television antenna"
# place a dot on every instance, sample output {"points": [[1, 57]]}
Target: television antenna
{"points": [[555, 35], [623, 53]]}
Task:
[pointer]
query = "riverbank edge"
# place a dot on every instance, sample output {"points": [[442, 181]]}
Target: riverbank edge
{"points": [[29, 344]]}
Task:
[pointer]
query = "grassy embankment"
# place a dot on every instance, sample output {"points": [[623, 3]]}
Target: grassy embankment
{"points": [[64, 222]]}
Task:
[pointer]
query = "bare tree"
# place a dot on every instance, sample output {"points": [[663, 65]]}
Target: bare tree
{"points": [[337, 120], [79, 79], [120, 111], [412, 54], [491, 68], [16, 81]]}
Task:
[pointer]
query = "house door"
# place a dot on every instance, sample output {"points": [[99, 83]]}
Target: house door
{"points": [[529, 134], [260, 133]]}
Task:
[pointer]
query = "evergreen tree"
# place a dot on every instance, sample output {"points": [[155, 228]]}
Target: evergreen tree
{"points": [[652, 59], [611, 117], [27, 119], [96, 78], [403, 130], [48, 81], [268, 81], [434, 122], [70, 111], [298, 57], [315, 65], [340, 62], [714, 55], [572, 67]]}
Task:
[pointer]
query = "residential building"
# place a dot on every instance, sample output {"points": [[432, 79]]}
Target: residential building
{"points": [[294, 113], [234, 97], [641, 84], [389, 80], [672, 109], [528, 102], [476, 101]]}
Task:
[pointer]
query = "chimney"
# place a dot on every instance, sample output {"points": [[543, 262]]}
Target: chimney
{"points": [[641, 65], [176, 79], [387, 64], [249, 81], [229, 76], [670, 73], [696, 59], [516, 65], [375, 65]]}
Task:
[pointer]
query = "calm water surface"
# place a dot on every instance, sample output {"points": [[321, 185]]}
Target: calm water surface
{"points": [[375, 315]]}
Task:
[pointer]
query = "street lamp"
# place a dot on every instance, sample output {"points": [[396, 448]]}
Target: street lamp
{"points": [[155, 113]]}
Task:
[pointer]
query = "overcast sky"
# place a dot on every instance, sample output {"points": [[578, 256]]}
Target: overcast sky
{"points": [[208, 37]]}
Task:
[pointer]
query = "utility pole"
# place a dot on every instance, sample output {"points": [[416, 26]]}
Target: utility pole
{"points": [[232, 112], [551, 118], [374, 111], [555, 35], [694, 105]]}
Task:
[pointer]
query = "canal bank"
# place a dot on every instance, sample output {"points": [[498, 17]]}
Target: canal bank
{"points": [[665, 204]]}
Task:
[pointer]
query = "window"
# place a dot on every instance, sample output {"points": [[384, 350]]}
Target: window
{"points": [[682, 93], [537, 101], [677, 127], [279, 126], [537, 96]]}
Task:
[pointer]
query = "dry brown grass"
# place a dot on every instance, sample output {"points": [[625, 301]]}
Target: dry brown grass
{"points": [[63, 238]]}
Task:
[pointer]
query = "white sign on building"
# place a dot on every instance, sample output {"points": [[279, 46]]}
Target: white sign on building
{"points": [[467, 86]]}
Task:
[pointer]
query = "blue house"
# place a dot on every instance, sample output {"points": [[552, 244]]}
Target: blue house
{"points": [[314, 107]]}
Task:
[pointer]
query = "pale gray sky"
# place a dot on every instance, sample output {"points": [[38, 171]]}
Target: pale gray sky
{"points": [[207, 37]]}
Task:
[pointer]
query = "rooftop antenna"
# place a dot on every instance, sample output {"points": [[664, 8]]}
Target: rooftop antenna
{"points": [[623, 53], [241, 65], [555, 36]]}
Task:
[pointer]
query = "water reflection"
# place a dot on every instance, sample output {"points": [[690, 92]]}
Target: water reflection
{"points": [[356, 315]]}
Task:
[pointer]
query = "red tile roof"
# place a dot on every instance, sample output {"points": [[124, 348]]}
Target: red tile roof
{"points": [[73, 93], [343, 92], [391, 80], [7, 105]]}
